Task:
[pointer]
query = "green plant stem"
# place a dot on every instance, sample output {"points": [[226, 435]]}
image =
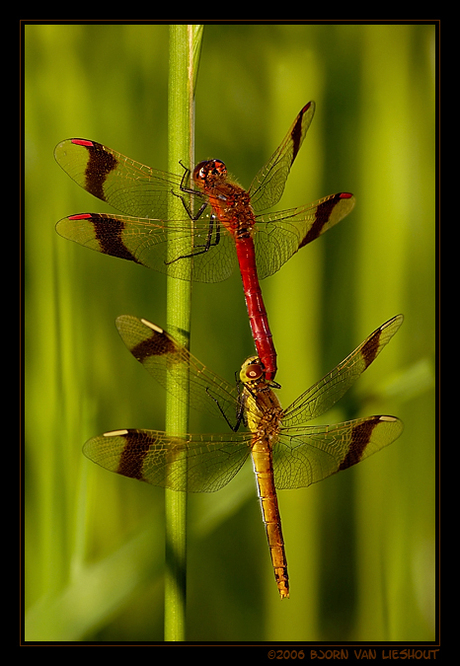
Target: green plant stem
{"points": [[182, 74]]}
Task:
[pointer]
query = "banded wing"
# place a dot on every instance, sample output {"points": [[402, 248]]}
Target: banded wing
{"points": [[278, 236], [302, 454], [144, 195], [136, 189], [307, 454], [172, 365], [129, 186], [268, 186], [325, 393], [316, 452], [211, 461], [145, 242]]}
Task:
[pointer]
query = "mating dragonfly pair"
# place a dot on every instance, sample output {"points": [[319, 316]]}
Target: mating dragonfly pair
{"points": [[227, 229]]}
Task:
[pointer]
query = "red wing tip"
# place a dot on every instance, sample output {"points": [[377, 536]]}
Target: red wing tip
{"points": [[345, 195], [82, 142], [81, 216]]}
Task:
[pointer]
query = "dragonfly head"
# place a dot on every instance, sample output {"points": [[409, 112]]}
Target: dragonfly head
{"points": [[252, 370], [209, 172]]}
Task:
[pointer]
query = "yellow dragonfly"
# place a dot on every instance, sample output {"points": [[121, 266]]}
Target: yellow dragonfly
{"points": [[286, 452]]}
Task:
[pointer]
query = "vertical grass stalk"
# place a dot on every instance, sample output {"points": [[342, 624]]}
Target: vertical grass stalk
{"points": [[183, 62]]}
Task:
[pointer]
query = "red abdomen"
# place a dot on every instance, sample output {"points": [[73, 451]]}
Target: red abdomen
{"points": [[231, 204], [255, 305]]}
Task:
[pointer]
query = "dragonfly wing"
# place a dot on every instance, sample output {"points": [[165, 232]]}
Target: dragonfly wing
{"points": [[309, 454], [145, 241], [268, 185], [325, 393], [280, 235], [193, 463], [176, 369], [129, 186]]}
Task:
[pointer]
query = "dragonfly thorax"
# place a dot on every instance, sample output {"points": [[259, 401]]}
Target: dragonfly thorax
{"points": [[263, 415], [263, 411]]}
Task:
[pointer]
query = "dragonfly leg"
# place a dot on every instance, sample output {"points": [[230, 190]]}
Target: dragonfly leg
{"points": [[192, 216], [210, 242], [200, 249], [189, 190], [239, 416]]}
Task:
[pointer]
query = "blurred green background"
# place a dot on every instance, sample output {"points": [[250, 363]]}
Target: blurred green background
{"points": [[360, 545]]}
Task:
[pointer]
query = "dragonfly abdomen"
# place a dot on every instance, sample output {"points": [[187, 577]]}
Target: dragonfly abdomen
{"points": [[263, 469], [232, 206], [257, 313]]}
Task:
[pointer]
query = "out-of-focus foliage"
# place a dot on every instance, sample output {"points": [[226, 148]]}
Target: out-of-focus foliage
{"points": [[360, 545]]}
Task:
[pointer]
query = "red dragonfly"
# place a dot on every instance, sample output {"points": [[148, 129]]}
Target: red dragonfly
{"points": [[286, 451], [227, 217]]}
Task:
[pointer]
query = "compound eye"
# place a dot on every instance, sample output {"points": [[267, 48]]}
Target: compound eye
{"points": [[254, 371], [219, 167], [200, 171]]}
